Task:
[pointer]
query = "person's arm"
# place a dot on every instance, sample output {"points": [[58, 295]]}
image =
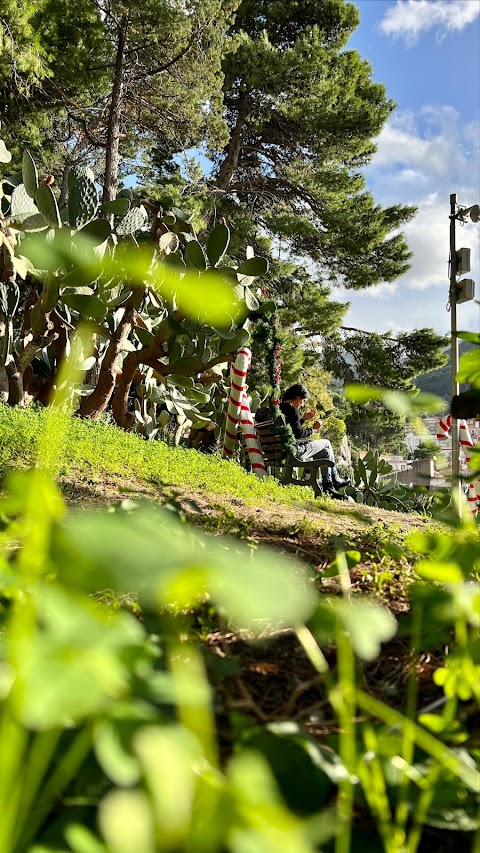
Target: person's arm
{"points": [[309, 416], [292, 418]]}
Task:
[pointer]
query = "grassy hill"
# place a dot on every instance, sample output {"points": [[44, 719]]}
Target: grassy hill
{"points": [[98, 464]]}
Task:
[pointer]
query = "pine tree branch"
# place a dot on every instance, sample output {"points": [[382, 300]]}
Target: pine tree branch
{"points": [[275, 185], [161, 68]]}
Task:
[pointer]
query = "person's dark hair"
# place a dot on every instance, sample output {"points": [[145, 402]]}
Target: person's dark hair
{"points": [[296, 390]]}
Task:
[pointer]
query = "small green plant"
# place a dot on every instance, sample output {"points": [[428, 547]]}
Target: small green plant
{"points": [[371, 488], [95, 709]]}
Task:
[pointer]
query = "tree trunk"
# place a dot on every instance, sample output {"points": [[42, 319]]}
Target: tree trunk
{"points": [[115, 116], [227, 169], [16, 396], [62, 201], [122, 417], [94, 405]]}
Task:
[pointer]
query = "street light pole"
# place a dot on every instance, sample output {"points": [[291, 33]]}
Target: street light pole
{"points": [[456, 485]]}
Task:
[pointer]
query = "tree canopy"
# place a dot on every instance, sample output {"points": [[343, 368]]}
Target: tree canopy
{"points": [[302, 112], [108, 77], [287, 116]]}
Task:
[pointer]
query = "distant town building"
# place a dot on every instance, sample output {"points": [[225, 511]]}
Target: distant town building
{"points": [[413, 440]]}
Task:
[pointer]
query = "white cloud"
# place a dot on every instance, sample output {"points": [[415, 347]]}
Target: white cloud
{"points": [[385, 291], [409, 176], [428, 238], [441, 141], [408, 19], [422, 158], [422, 167]]}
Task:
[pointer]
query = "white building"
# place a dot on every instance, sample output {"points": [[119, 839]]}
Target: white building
{"points": [[413, 440]]}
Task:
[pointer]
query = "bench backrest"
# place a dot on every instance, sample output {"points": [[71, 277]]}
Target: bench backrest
{"points": [[271, 443]]}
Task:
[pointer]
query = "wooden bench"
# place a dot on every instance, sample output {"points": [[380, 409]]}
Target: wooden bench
{"points": [[286, 467]]}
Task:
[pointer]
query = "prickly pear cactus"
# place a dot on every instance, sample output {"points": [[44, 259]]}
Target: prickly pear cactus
{"points": [[21, 204], [5, 155], [370, 488], [29, 174], [47, 204], [134, 220], [79, 172], [82, 201]]}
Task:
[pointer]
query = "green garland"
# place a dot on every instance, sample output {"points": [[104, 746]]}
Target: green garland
{"points": [[269, 332]]}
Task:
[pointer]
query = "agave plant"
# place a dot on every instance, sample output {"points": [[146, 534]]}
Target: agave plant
{"points": [[370, 486]]}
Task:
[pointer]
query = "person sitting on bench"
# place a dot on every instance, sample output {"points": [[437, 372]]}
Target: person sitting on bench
{"points": [[307, 448]]}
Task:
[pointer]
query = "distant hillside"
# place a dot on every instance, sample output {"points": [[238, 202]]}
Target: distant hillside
{"points": [[438, 381]]}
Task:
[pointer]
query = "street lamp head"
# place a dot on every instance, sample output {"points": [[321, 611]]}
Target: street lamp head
{"points": [[474, 212]]}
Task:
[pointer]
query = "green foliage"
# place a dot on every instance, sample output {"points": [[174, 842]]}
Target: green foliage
{"points": [[146, 283], [29, 174], [95, 709], [217, 244], [370, 470], [63, 56], [427, 449], [469, 367], [467, 403], [377, 414], [371, 488], [82, 201], [386, 362], [273, 188], [297, 100], [439, 381], [87, 670], [99, 450], [47, 205]]}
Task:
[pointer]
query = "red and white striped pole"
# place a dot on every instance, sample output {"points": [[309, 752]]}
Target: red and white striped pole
{"points": [[238, 378], [247, 424], [443, 429], [466, 443], [238, 411]]}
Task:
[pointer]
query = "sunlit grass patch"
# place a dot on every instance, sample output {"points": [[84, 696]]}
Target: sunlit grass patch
{"points": [[96, 448]]}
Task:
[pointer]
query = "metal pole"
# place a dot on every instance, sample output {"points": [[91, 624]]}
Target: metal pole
{"points": [[456, 484]]}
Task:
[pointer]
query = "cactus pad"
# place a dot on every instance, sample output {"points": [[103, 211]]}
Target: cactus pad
{"points": [[21, 205], [29, 174], [82, 201], [47, 204], [134, 220]]}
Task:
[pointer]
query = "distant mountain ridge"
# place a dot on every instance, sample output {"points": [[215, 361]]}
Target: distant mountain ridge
{"points": [[438, 381]]}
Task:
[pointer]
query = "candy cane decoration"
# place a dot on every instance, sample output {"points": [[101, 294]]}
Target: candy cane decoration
{"points": [[238, 376], [250, 436], [239, 411], [473, 496], [466, 443], [443, 429]]}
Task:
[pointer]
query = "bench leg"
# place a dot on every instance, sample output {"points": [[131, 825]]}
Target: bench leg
{"points": [[308, 478]]}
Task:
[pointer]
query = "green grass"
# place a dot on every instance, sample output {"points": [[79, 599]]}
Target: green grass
{"points": [[96, 449]]}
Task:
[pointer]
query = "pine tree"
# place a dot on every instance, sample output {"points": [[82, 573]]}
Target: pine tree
{"points": [[166, 77], [22, 65], [115, 76], [302, 112]]}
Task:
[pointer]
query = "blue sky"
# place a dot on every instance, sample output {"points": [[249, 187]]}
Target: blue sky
{"points": [[427, 54]]}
